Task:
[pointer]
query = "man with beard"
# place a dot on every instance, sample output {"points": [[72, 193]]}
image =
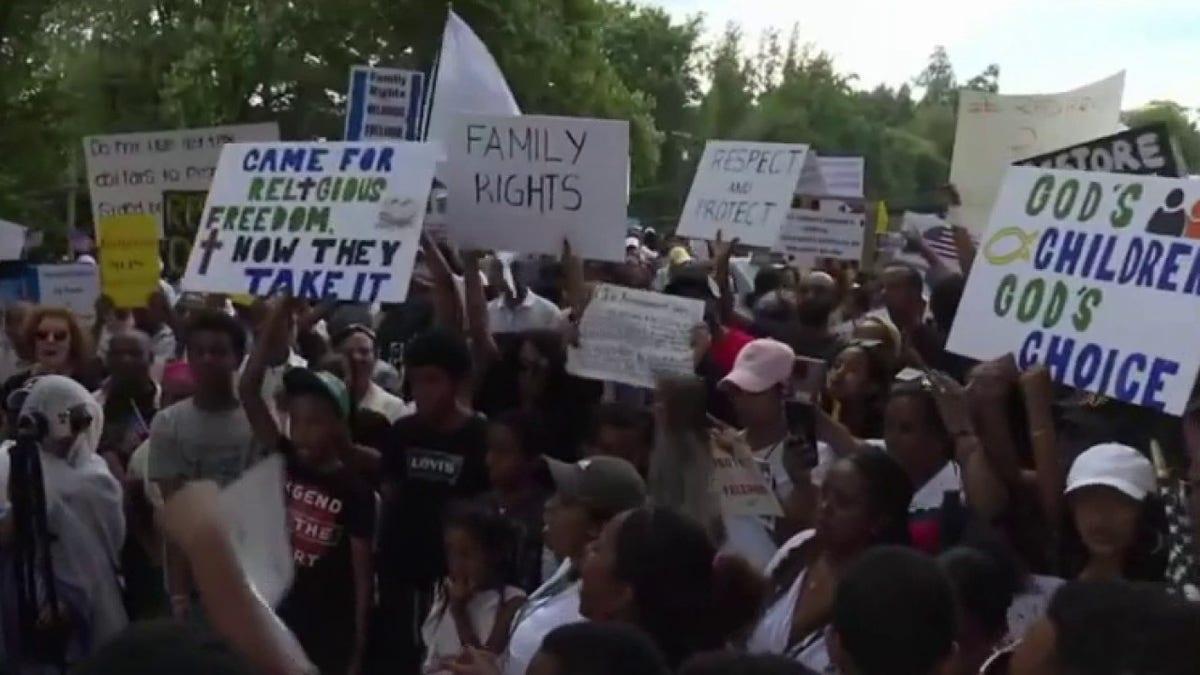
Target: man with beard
{"points": [[801, 318]]}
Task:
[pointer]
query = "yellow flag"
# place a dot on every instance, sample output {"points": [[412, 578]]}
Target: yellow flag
{"points": [[129, 263], [881, 217]]}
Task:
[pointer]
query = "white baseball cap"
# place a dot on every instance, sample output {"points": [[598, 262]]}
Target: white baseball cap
{"points": [[1113, 465]]}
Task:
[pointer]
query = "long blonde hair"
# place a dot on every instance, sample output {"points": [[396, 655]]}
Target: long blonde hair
{"points": [[681, 466]]}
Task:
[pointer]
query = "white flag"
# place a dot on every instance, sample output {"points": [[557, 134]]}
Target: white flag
{"points": [[468, 81]]}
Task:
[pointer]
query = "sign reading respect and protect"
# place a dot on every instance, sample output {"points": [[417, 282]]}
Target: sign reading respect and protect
{"points": [[1094, 275]]}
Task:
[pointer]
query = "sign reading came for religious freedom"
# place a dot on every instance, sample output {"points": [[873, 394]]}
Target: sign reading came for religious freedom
{"points": [[383, 103], [524, 184], [1144, 151], [745, 190], [128, 173], [1094, 275], [315, 220]]}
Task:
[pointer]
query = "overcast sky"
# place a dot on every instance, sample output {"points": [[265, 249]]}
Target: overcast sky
{"points": [[1040, 45]]}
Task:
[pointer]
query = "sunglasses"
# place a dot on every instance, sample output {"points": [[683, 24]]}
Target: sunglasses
{"points": [[52, 335]]}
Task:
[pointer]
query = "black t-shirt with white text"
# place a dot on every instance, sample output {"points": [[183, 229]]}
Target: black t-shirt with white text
{"points": [[325, 511], [426, 469]]}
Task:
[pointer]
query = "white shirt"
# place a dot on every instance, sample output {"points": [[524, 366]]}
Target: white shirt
{"points": [[534, 313], [440, 634], [541, 614], [771, 634], [931, 495], [390, 406]]}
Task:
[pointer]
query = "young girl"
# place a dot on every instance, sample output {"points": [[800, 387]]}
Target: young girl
{"points": [[475, 605]]}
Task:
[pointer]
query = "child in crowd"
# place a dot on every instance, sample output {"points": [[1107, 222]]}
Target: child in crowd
{"points": [[476, 604]]}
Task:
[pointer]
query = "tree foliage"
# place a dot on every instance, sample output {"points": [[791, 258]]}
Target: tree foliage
{"points": [[69, 68]]}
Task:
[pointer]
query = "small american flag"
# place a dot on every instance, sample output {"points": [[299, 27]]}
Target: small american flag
{"points": [[940, 239]]}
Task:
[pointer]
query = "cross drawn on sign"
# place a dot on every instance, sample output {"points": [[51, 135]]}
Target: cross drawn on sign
{"points": [[210, 245]]}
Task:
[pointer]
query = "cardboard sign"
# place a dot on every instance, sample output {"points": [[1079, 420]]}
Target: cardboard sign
{"points": [[74, 286], [128, 173], [995, 130], [1094, 275], [524, 184], [633, 336], [809, 235], [182, 210], [315, 220], [384, 103], [738, 480], [843, 176], [129, 261], [1144, 151], [745, 190]]}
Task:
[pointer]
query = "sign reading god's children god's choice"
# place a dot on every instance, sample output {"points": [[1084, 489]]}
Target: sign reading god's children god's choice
{"points": [[315, 220], [1094, 275], [525, 183], [745, 190]]}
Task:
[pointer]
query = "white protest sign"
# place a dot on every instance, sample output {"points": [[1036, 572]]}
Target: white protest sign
{"points": [[255, 510], [809, 235], [74, 286], [843, 176], [526, 183], [315, 220], [383, 103], [1094, 275], [633, 336], [744, 189], [938, 236], [740, 485], [128, 173], [995, 130]]}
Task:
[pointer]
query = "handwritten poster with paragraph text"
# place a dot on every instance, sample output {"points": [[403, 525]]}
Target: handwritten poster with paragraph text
{"points": [[745, 190], [810, 235], [315, 220], [633, 336], [524, 184], [1094, 275], [128, 173], [995, 130]]}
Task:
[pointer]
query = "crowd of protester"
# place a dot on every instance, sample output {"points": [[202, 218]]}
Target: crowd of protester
{"points": [[460, 503]]}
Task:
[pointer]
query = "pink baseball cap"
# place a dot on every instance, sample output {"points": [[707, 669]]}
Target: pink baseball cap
{"points": [[760, 365]]}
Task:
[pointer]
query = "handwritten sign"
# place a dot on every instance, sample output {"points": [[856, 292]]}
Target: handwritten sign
{"points": [[523, 184], [127, 173], [809, 235], [129, 260], [739, 483], [633, 336], [315, 220], [995, 130], [74, 286], [1094, 275], [182, 210], [745, 190], [843, 176], [383, 103], [1144, 151]]}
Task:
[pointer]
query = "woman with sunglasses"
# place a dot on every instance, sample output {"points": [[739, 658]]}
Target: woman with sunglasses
{"points": [[60, 347]]}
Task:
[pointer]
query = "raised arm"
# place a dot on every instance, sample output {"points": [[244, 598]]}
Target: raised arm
{"points": [[447, 309], [274, 330], [477, 317]]}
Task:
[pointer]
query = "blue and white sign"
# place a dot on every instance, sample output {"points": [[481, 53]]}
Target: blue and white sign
{"points": [[384, 103]]}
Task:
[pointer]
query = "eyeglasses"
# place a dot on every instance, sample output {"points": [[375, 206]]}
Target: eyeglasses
{"points": [[52, 335]]}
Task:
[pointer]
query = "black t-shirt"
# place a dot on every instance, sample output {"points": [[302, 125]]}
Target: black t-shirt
{"points": [[426, 469], [325, 511]]}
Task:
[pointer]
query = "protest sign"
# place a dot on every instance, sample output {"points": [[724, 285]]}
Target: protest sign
{"points": [[1144, 151], [1094, 275], [745, 190], [128, 173], [809, 235], [843, 176], [181, 218], [13, 239], [315, 220], [995, 130], [384, 103], [634, 336], [73, 286], [741, 487], [129, 261], [526, 183], [938, 236]]}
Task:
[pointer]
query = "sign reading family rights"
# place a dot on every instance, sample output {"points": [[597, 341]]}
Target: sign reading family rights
{"points": [[1094, 275]]}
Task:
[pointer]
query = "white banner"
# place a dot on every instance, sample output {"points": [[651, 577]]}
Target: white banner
{"points": [[843, 176], [1094, 275], [128, 173], [633, 336], [995, 130], [809, 235], [315, 220], [523, 184]]}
